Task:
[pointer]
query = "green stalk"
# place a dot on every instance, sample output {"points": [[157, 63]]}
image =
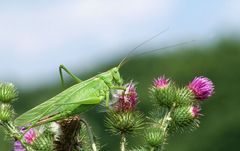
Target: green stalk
{"points": [[90, 134], [13, 131], [122, 142], [165, 123]]}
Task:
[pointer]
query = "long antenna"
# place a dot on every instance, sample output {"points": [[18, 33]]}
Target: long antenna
{"points": [[166, 47], [139, 45]]}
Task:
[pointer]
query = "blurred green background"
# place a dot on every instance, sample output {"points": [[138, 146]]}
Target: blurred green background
{"points": [[220, 126]]}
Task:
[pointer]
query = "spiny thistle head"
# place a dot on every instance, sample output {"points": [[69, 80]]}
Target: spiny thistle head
{"points": [[6, 112], [154, 136], [8, 92], [161, 82], [201, 87], [163, 92], [185, 116], [127, 100], [45, 138], [124, 122], [184, 96], [43, 142]]}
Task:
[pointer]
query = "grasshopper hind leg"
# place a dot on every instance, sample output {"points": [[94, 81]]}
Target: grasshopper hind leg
{"points": [[62, 67]]}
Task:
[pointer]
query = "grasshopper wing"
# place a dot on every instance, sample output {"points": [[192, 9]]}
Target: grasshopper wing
{"points": [[47, 108]]}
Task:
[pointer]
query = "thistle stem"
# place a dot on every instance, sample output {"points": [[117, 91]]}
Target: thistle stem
{"points": [[166, 121], [93, 144], [122, 142], [16, 134], [152, 149]]}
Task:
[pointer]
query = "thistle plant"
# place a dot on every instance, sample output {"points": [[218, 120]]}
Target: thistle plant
{"points": [[123, 118], [175, 109]]}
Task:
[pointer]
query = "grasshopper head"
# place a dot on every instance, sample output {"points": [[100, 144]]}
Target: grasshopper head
{"points": [[116, 76]]}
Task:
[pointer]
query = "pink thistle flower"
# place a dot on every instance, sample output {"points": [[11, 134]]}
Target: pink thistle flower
{"points": [[18, 146], [30, 136], [195, 111], [202, 87], [127, 100], [161, 82]]}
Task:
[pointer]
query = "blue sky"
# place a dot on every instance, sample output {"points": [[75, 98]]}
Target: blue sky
{"points": [[35, 37]]}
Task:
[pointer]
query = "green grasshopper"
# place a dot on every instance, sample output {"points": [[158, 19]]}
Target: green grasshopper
{"points": [[74, 100], [79, 97]]}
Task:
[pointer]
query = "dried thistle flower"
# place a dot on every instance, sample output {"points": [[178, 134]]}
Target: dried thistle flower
{"points": [[127, 100]]}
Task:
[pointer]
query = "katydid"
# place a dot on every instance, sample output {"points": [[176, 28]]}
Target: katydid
{"points": [[74, 100], [79, 97]]}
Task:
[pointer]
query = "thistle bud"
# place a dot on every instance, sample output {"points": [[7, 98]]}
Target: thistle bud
{"points": [[154, 136], [201, 87], [163, 92], [184, 96], [6, 112], [8, 92], [43, 142], [186, 116], [124, 122]]}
